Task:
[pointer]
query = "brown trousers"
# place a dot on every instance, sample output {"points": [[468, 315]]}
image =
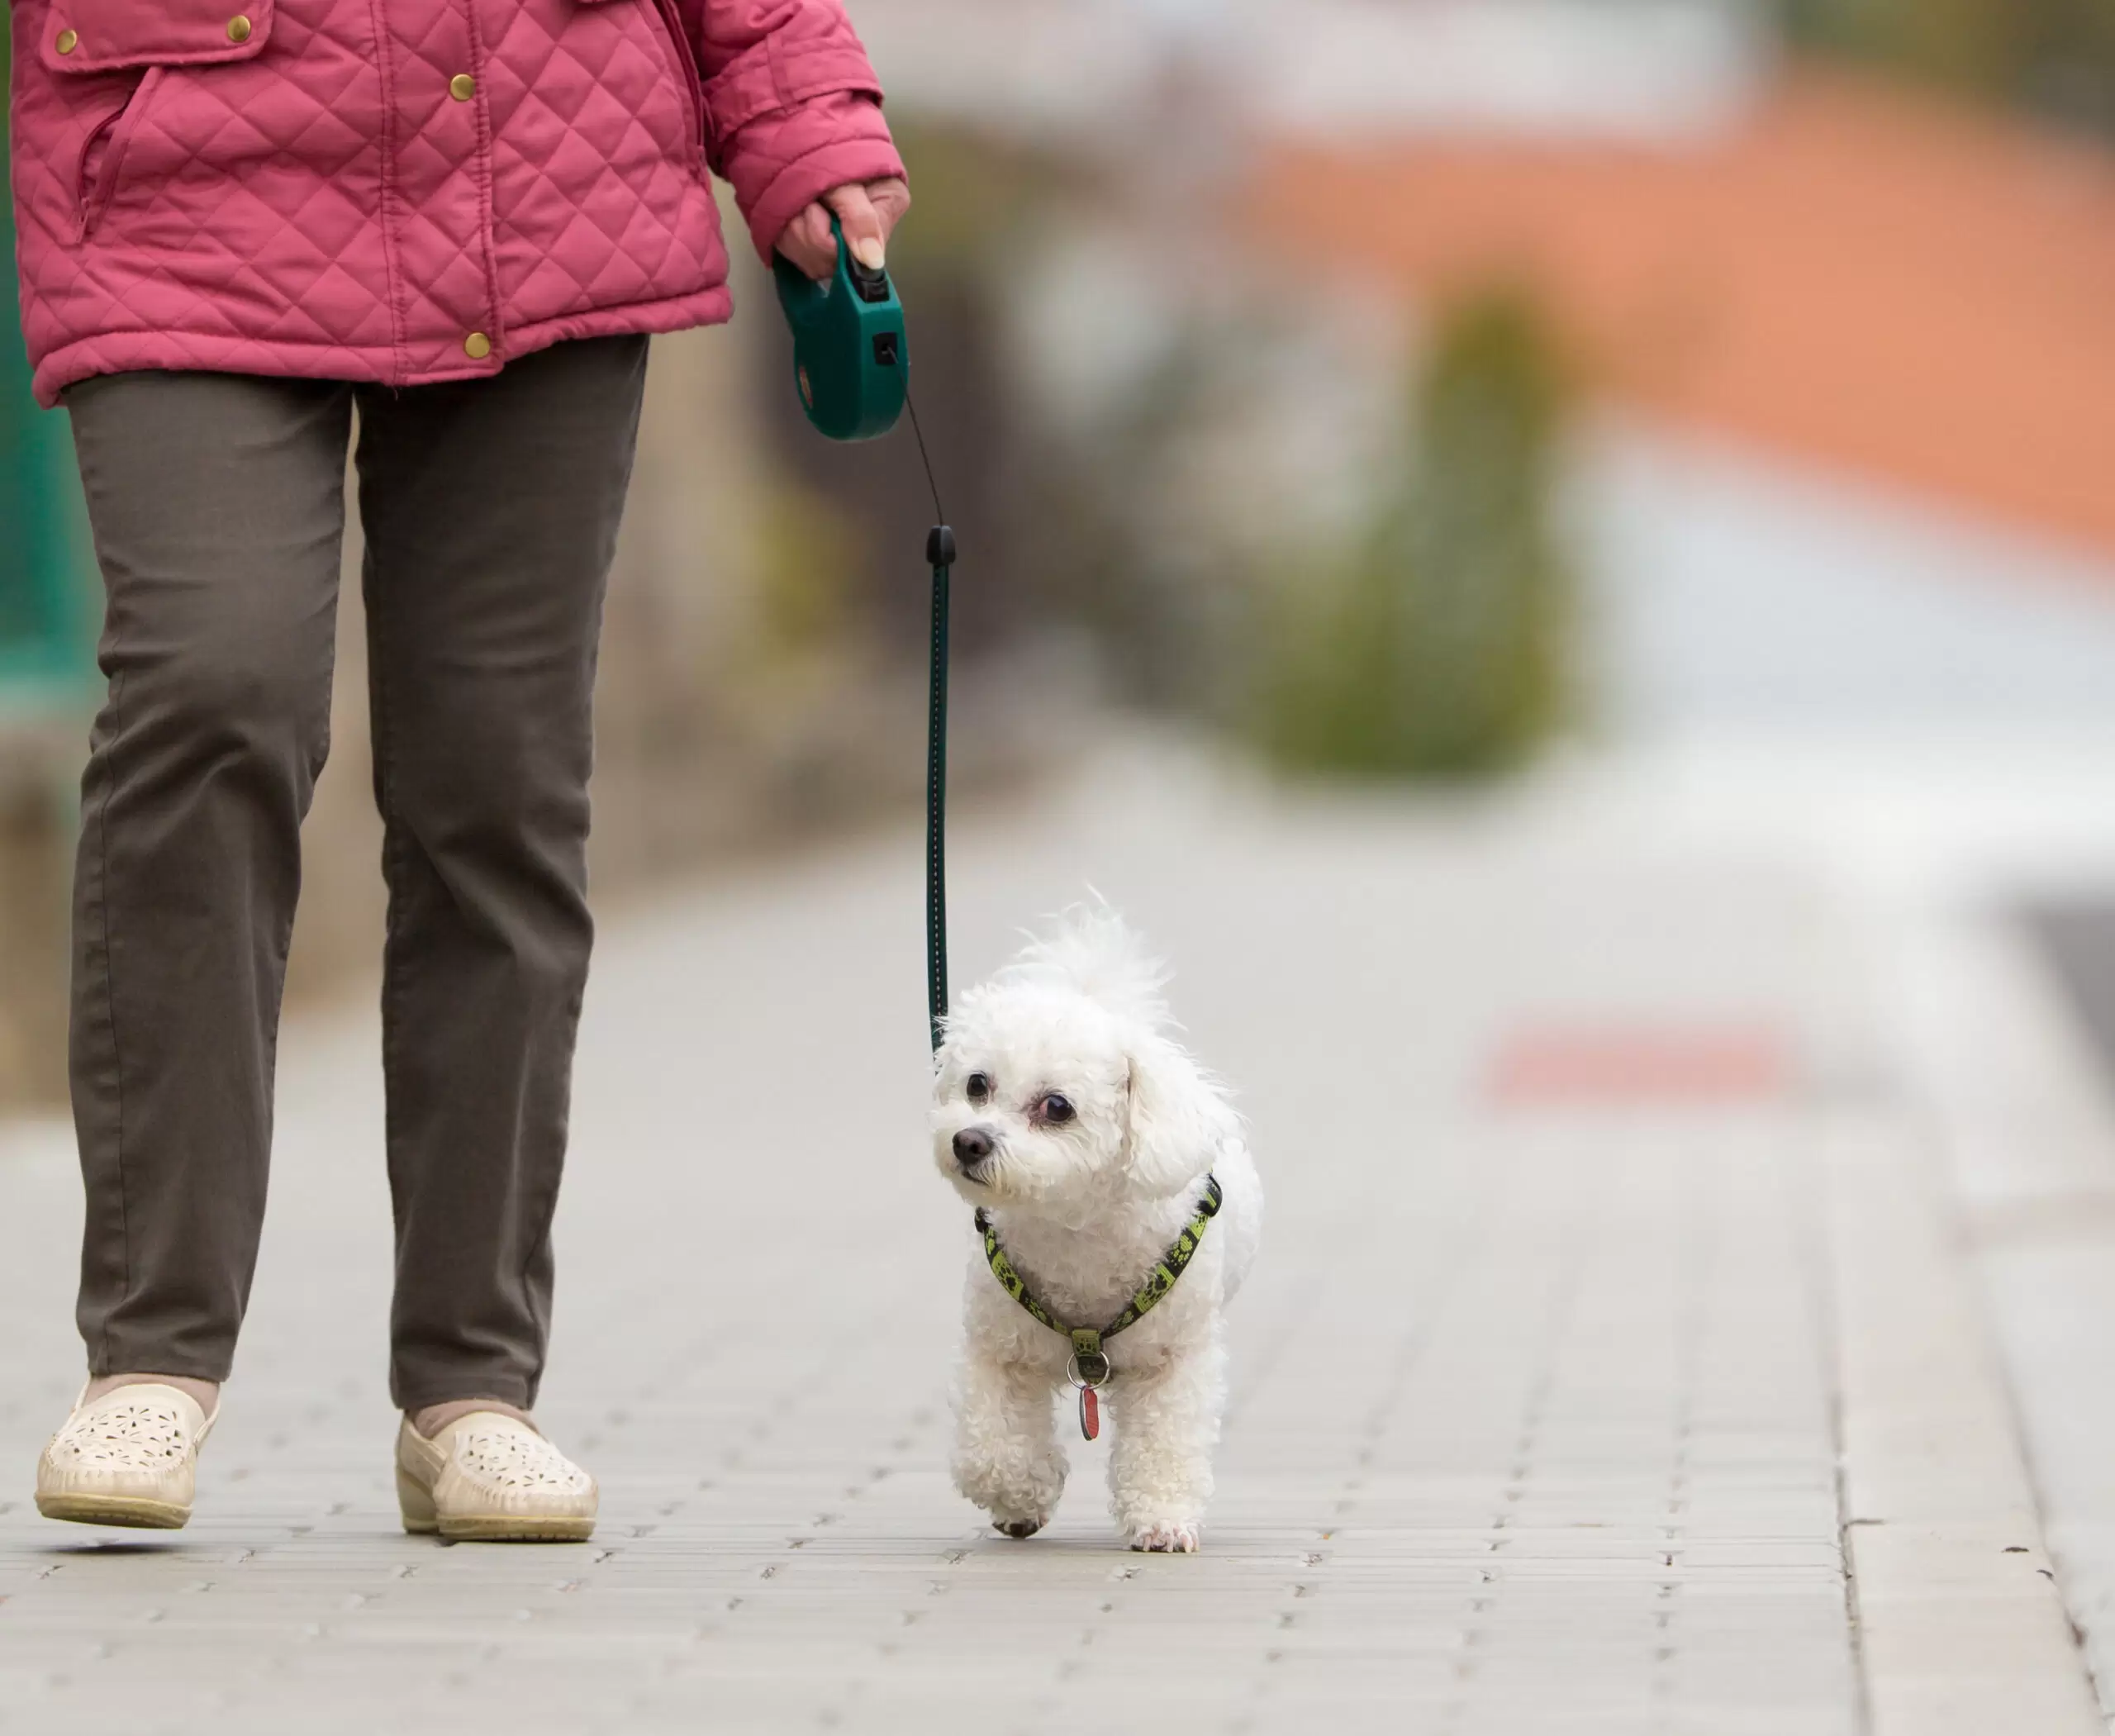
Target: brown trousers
{"points": [[491, 511]]}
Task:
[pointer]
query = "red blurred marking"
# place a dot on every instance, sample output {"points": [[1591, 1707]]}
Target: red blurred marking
{"points": [[1728, 1064]]}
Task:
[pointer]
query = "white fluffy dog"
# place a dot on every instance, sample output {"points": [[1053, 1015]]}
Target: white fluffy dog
{"points": [[1085, 1135]]}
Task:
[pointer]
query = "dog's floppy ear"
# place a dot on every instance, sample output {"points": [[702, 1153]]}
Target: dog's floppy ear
{"points": [[1178, 1121]]}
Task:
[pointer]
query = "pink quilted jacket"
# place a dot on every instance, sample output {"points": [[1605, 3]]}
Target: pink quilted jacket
{"points": [[407, 190]]}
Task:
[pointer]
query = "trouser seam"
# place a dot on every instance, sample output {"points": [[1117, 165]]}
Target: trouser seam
{"points": [[109, 995], [384, 739], [396, 958], [591, 655]]}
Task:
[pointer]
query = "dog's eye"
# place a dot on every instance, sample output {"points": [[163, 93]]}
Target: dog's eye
{"points": [[1055, 1108], [980, 1087]]}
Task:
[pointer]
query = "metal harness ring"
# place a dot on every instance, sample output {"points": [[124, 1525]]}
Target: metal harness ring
{"points": [[1073, 1373]]}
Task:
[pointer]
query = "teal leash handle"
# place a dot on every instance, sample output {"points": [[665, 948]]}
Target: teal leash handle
{"points": [[940, 552], [850, 353]]}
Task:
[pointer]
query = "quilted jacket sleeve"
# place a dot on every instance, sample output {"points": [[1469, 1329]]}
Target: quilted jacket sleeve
{"points": [[792, 106]]}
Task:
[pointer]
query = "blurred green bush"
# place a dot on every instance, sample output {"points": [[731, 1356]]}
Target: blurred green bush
{"points": [[1440, 644], [2055, 57]]}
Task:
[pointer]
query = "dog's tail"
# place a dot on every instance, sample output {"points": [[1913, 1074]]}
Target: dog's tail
{"points": [[1088, 947]]}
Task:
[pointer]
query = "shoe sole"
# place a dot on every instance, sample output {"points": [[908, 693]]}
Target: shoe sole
{"points": [[422, 1519], [132, 1512], [506, 1529]]}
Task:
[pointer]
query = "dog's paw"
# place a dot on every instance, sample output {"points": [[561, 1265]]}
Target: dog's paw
{"points": [[1019, 1489], [1167, 1538]]}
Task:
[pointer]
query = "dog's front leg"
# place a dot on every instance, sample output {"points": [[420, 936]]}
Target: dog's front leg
{"points": [[1007, 1458], [1160, 1468]]}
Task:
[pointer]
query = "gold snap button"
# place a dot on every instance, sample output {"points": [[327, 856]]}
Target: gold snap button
{"points": [[67, 42], [476, 346], [462, 86], [238, 29]]}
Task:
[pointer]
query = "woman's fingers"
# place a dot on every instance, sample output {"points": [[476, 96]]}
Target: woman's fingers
{"points": [[807, 241], [864, 232], [868, 213]]}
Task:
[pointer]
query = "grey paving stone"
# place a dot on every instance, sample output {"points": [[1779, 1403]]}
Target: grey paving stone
{"points": [[1535, 1426]]}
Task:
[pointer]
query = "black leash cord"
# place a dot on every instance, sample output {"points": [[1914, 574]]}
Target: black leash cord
{"points": [[940, 555]]}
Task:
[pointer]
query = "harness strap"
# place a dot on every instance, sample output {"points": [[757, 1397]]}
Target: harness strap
{"points": [[1090, 1359]]}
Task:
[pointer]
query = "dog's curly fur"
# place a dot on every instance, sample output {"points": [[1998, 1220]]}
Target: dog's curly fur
{"points": [[1084, 1205]]}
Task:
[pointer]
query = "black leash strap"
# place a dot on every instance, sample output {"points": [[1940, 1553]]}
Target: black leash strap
{"points": [[940, 555], [940, 552]]}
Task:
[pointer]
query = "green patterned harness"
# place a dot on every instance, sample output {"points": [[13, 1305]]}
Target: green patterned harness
{"points": [[1090, 1361]]}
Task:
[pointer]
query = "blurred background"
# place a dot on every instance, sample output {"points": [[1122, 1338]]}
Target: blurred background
{"points": [[1437, 392], [1560, 555]]}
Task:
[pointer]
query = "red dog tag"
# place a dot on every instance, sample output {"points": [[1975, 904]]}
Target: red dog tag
{"points": [[1089, 1414]]}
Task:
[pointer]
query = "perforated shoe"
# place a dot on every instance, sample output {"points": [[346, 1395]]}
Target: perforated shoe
{"points": [[488, 1477], [129, 1458]]}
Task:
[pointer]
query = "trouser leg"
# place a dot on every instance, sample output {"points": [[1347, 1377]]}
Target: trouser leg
{"points": [[217, 505], [490, 508]]}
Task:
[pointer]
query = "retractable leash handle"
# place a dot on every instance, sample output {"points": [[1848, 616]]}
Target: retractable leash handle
{"points": [[852, 367], [851, 354]]}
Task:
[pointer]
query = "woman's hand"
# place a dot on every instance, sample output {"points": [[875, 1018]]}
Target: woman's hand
{"points": [[868, 213]]}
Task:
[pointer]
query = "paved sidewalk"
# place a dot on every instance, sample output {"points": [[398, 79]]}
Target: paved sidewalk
{"points": [[2019, 1083], [1598, 1238]]}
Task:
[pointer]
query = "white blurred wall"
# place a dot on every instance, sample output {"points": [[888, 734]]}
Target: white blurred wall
{"points": [[1090, 70], [1734, 592]]}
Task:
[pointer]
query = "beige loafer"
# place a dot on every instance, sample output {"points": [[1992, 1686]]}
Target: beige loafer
{"points": [[129, 1458], [487, 1477]]}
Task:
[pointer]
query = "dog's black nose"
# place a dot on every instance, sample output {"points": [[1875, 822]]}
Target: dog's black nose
{"points": [[972, 1146]]}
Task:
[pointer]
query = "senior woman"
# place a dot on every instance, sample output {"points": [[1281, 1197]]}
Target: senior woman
{"points": [[241, 221]]}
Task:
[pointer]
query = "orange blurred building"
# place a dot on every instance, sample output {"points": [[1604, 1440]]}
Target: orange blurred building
{"points": [[1854, 275]]}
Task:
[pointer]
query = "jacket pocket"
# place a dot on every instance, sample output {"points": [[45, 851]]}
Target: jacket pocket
{"points": [[85, 37], [102, 151], [131, 46]]}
